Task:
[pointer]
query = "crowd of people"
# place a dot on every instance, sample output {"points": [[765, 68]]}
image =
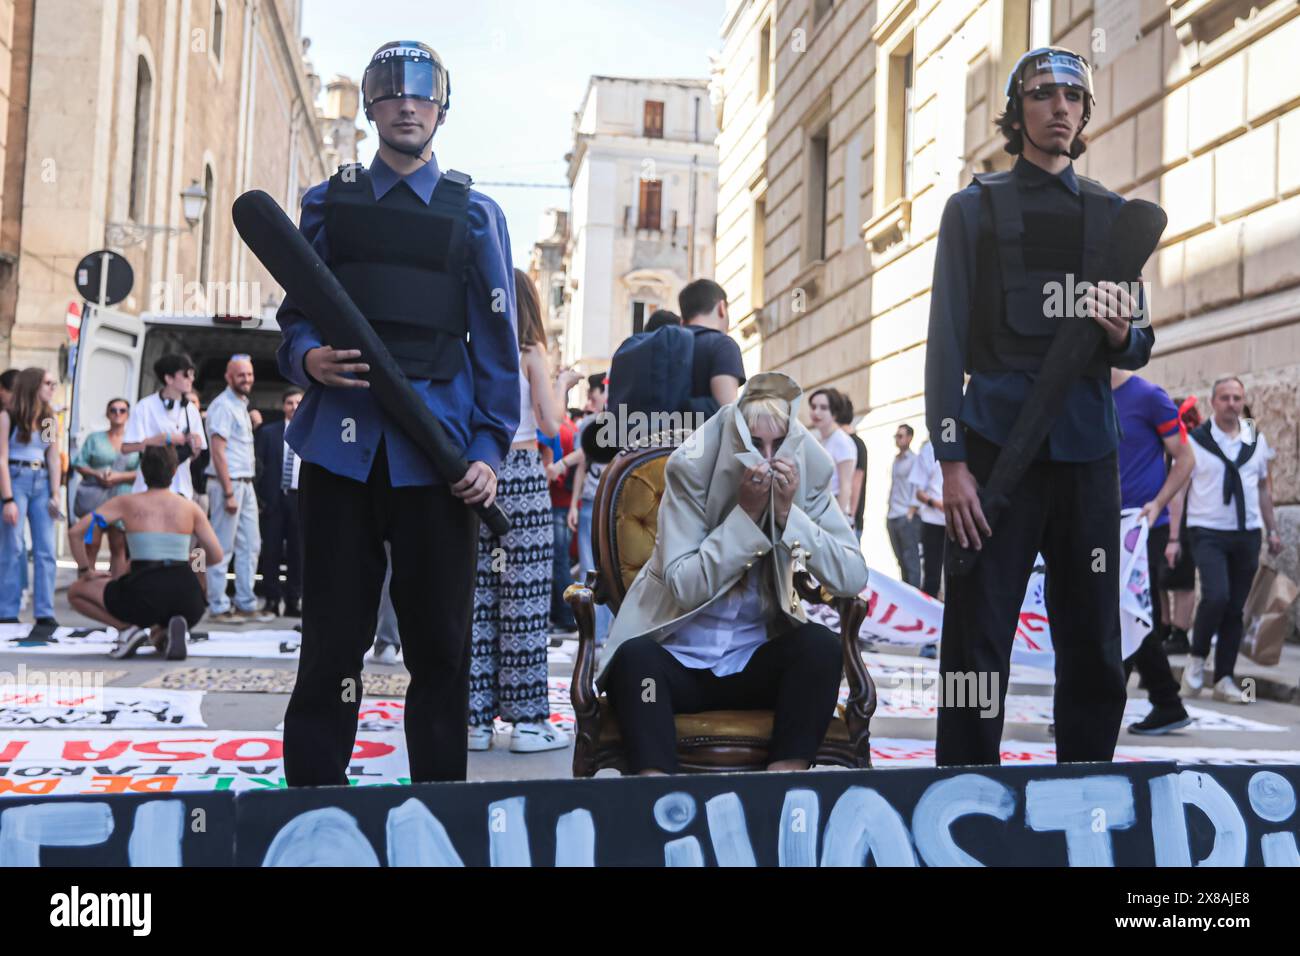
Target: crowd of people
{"points": [[239, 476]]}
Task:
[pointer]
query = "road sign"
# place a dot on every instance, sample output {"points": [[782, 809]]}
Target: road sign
{"points": [[104, 277]]}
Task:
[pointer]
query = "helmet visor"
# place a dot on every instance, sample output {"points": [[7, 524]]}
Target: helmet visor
{"points": [[1056, 69], [419, 79]]}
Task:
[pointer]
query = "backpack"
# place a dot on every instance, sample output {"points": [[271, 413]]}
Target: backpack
{"points": [[651, 371]]}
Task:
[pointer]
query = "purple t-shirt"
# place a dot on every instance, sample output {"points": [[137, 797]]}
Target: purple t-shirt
{"points": [[1147, 416]]}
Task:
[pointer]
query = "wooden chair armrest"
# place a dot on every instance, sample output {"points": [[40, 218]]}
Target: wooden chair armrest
{"points": [[582, 687], [861, 704]]}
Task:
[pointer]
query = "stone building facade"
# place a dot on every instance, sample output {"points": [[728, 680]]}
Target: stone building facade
{"points": [[643, 203], [117, 106], [845, 126], [547, 267]]}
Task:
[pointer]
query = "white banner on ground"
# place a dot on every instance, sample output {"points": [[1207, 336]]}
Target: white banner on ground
{"points": [[913, 700], [892, 669], [376, 715], [889, 752], [41, 763], [898, 613], [266, 644], [55, 708]]}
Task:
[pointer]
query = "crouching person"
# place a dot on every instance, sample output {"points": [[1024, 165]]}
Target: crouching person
{"points": [[162, 595], [712, 621]]}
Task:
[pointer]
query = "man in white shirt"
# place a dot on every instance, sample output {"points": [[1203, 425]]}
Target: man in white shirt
{"points": [[167, 418], [927, 480], [232, 499], [901, 520], [1228, 501]]}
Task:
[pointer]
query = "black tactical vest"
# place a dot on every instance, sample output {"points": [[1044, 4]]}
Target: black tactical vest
{"points": [[1017, 258], [403, 263]]}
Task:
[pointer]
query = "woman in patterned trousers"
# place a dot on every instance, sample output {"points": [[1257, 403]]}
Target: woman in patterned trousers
{"points": [[512, 600]]}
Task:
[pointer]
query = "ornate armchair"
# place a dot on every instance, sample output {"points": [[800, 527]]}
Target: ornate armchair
{"points": [[625, 519]]}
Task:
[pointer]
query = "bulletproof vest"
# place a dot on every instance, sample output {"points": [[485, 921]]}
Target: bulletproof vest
{"points": [[403, 263], [1017, 256]]}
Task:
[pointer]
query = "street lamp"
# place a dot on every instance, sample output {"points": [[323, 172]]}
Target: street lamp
{"points": [[193, 201]]}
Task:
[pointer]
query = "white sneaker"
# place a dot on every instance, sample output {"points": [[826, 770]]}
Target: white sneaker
{"points": [[1226, 690], [385, 654], [1193, 676], [129, 641], [531, 738], [254, 616], [480, 738]]}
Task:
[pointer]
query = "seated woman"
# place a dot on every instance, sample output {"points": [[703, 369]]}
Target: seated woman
{"points": [[162, 595], [712, 621]]}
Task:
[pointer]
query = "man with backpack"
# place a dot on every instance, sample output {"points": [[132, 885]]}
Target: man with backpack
{"points": [[671, 376]]}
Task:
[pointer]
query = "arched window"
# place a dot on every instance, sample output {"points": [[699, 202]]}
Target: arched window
{"points": [[205, 248], [140, 145]]}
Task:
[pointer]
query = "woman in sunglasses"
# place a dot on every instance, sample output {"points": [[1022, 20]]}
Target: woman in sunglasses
{"points": [[106, 471]]}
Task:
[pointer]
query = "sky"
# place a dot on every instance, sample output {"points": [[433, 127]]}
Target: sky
{"points": [[519, 69]]}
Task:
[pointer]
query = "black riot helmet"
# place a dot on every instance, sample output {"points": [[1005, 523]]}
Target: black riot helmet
{"points": [[406, 69], [1061, 67]]}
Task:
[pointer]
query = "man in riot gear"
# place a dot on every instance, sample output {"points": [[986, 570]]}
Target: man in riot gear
{"points": [[1013, 248], [426, 259]]}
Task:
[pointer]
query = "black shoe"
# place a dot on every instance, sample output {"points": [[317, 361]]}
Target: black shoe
{"points": [[1161, 720], [1176, 642], [174, 646], [9, 620], [47, 622], [292, 609]]}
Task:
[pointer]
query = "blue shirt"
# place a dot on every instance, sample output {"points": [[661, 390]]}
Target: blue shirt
{"points": [[1087, 428], [1147, 416], [341, 428]]}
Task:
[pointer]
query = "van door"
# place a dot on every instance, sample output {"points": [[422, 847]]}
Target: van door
{"points": [[109, 348]]}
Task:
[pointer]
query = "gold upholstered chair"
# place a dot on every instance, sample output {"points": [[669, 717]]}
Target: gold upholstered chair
{"points": [[625, 518]]}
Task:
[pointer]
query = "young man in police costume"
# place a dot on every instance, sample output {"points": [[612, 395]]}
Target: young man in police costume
{"points": [[1003, 241], [427, 261]]}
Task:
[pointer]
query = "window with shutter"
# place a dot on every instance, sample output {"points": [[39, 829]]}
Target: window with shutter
{"points": [[651, 198], [654, 119]]}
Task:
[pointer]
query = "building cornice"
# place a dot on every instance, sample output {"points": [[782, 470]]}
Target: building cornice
{"points": [[293, 59]]}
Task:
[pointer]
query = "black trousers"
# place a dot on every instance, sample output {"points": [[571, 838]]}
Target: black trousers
{"points": [[1070, 512], [433, 537], [281, 544], [1150, 659], [1227, 562], [797, 675], [933, 540]]}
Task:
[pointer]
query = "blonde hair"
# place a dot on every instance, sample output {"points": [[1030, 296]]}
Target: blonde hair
{"points": [[766, 407]]}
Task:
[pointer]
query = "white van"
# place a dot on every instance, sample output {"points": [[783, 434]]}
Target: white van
{"points": [[116, 352]]}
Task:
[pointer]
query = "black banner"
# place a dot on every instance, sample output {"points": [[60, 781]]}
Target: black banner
{"points": [[1141, 814]]}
